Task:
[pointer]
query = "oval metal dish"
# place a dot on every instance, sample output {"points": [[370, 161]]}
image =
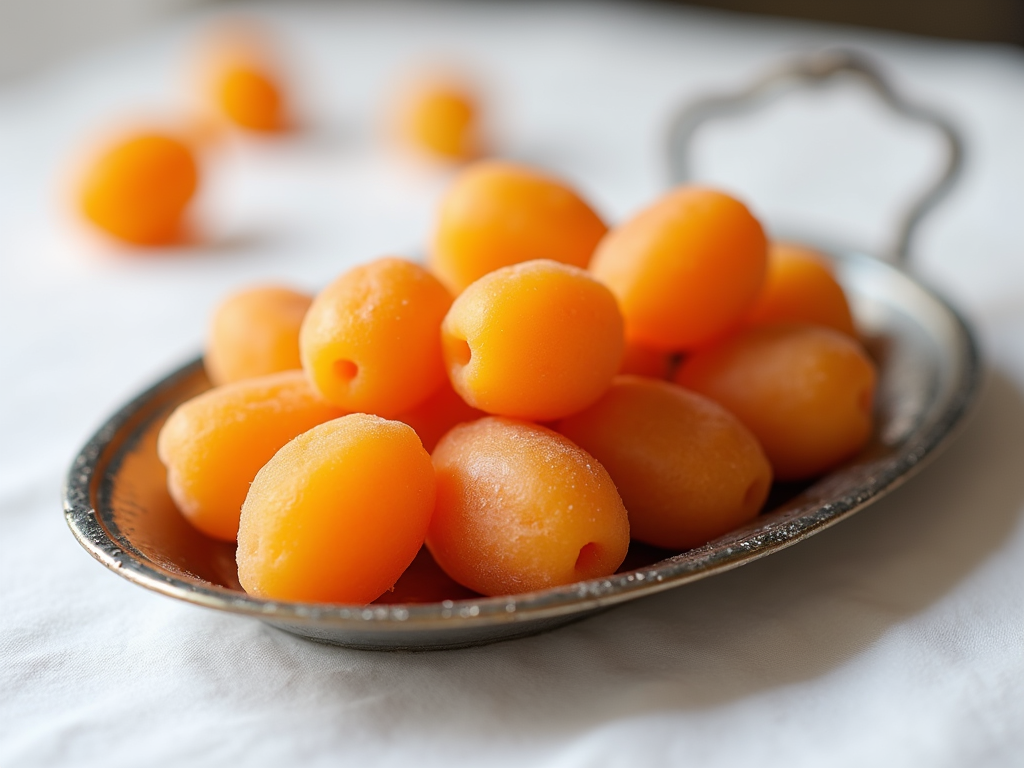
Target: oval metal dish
{"points": [[117, 505]]}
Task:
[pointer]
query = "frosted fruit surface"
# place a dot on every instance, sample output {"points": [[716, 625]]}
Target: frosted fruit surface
{"points": [[520, 507], [537, 341], [214, 444], [371, 341], [337, 514]]}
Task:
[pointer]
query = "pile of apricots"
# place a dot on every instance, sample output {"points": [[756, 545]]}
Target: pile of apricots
{"points": [[540, 393]]}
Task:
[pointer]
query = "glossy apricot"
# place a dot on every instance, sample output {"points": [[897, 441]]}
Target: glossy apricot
{"points": [[255, 332], [138, 189], [498, 213], [688, 471], [440, 117], [439, 413], [538, 340], [214, 444], [801, 288], [806, 392], [371, 340], [520, 507], [337, 514], [685, 269]]}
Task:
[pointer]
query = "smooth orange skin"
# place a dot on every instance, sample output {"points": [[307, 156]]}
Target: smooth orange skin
{"points": [[138, 190], [441, 118], [639, 360], [238, 75], [371, 340], [800, 288], [439, 413], [687, 469], [497, 213], [252, 99], [805, 391], [520, 508], [255, 332], [214, 444], [337, 514], [535, 341], [685, 269]]}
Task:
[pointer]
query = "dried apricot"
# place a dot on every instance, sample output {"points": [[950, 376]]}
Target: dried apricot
{"points": [[337, 514], [687, 469], [805, 391], [519, 508], [371, 340], [214, 444], [498, 213], [685, 269], [255, 332], [800, 288], [537, 340]]}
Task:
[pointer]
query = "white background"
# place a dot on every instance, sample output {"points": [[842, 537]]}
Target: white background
{"points": [[896, 638]]}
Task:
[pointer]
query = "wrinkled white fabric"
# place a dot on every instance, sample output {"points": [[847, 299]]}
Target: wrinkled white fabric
{"points": [[895, 639]]}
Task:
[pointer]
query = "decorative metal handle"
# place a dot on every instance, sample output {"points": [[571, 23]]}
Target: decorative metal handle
{"points": [[811, 71]]}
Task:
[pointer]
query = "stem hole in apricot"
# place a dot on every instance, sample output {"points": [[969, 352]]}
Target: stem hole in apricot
{"points": [[587, 560], [459, 351], [345, 370]]}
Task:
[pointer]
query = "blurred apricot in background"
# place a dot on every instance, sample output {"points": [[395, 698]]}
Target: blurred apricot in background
{"points": [[440, 115], [137, 188], [240, 80]]}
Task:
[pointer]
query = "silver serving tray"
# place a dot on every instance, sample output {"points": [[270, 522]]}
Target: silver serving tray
{"points": [[116, 502]]}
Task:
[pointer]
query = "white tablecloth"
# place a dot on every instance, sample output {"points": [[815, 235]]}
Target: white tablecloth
{"points": [[895, 639]]}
